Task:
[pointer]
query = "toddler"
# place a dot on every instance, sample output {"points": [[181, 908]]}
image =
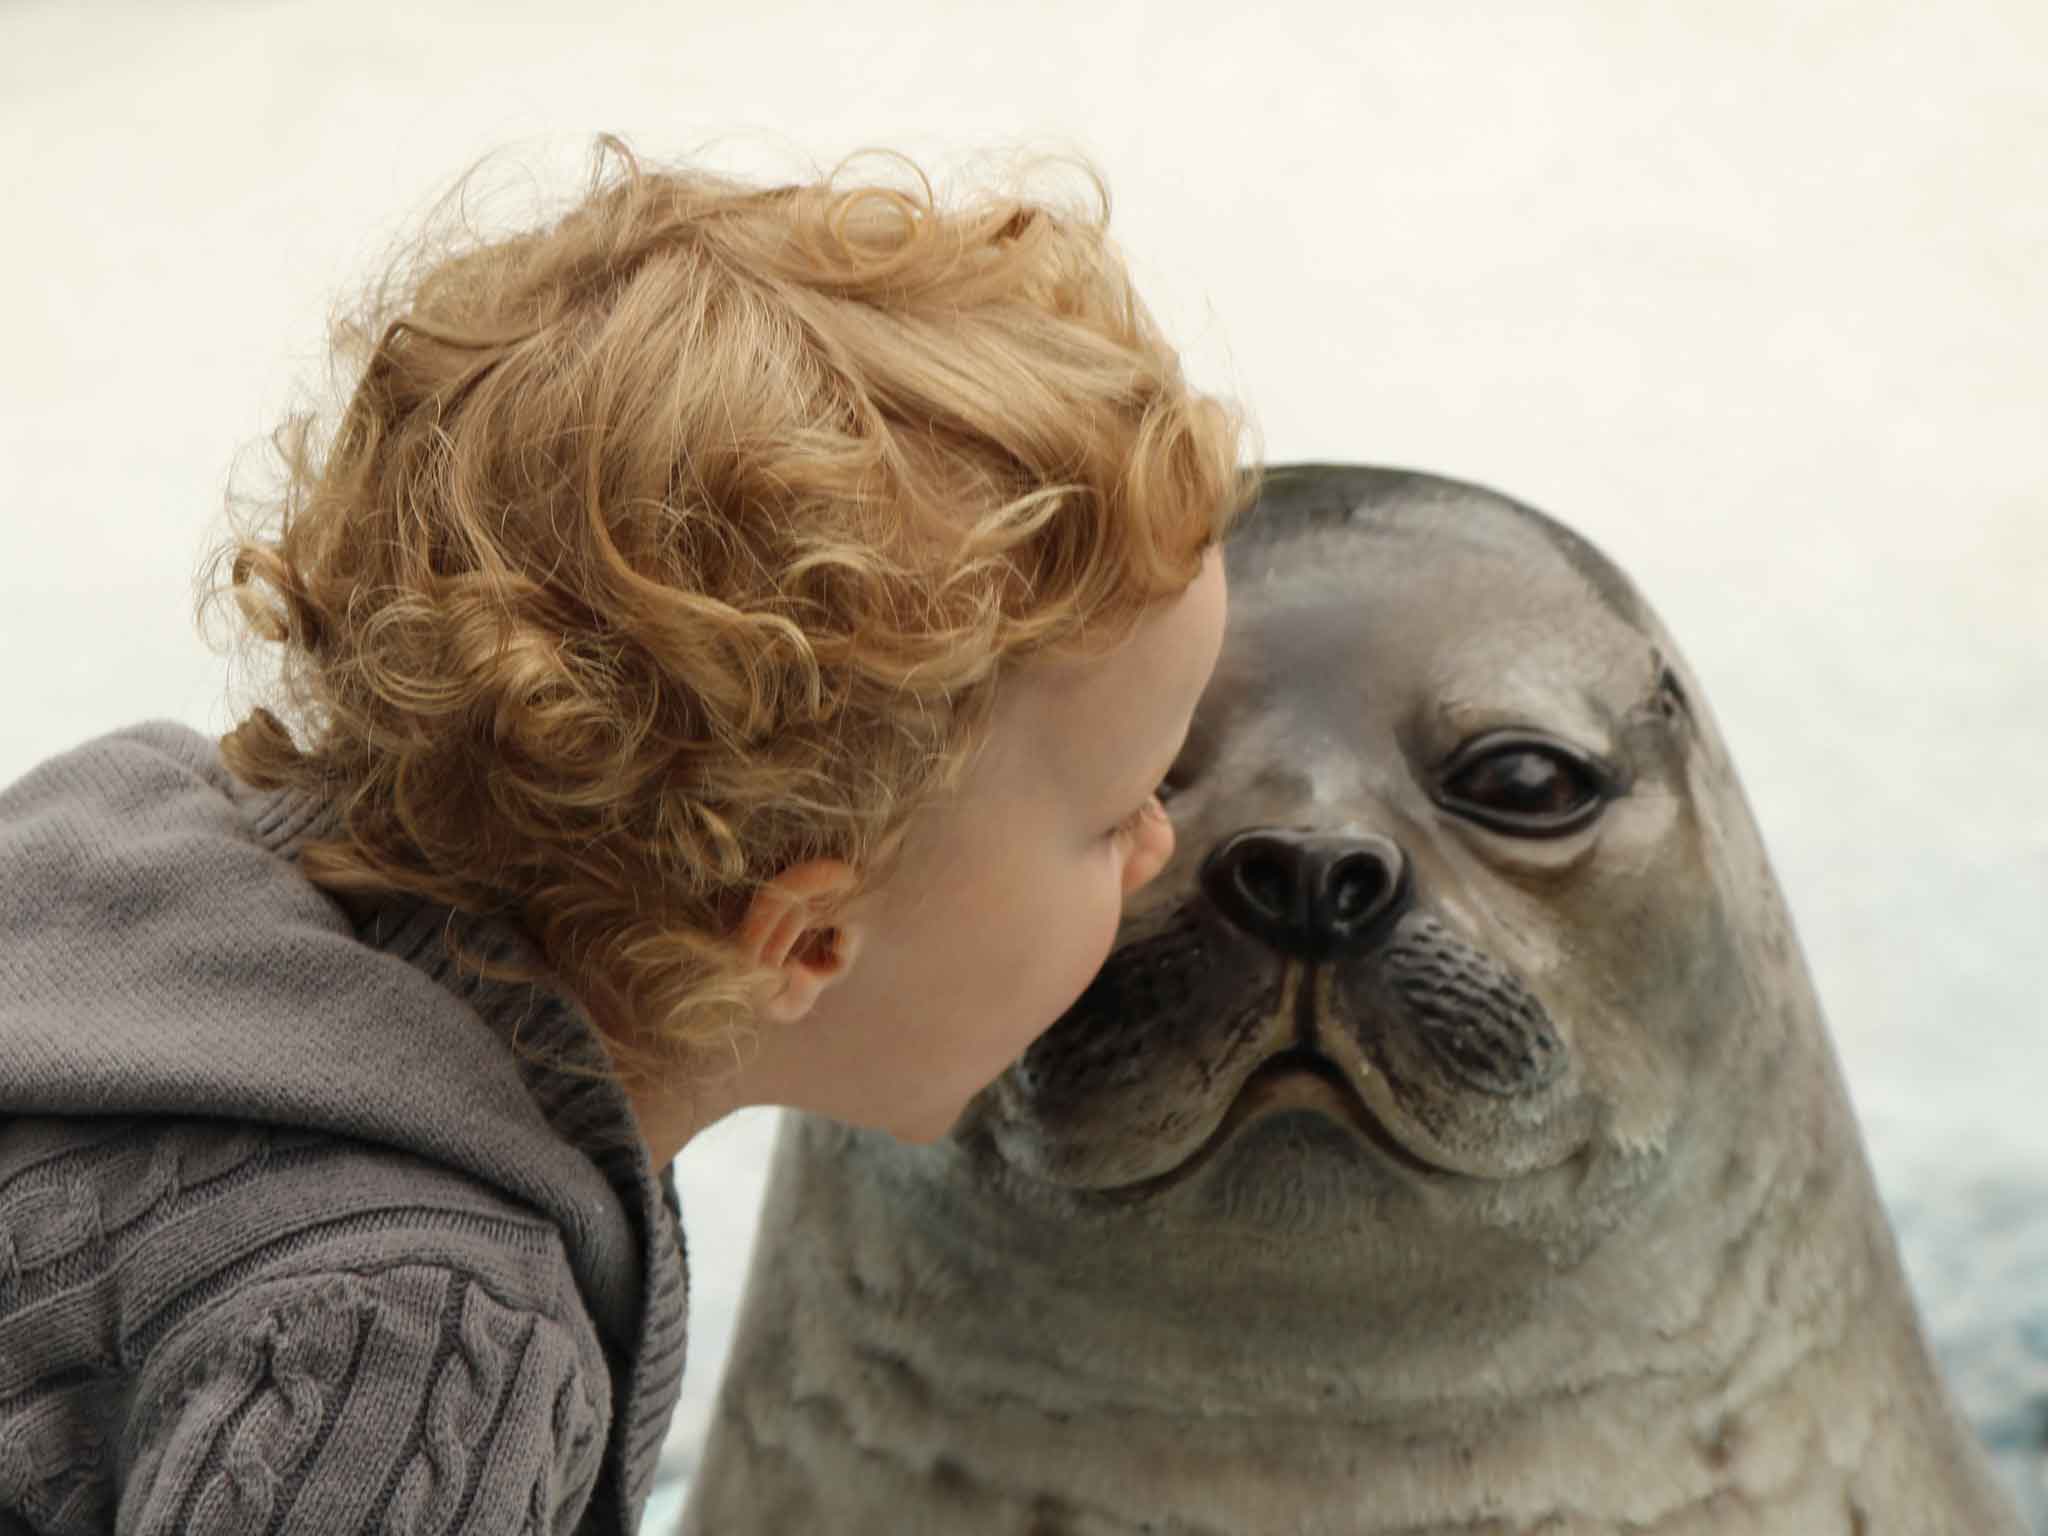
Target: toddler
{"points": [[728, 645]]}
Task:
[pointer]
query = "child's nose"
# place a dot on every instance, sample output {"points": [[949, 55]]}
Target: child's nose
{"points": [[1150, 850]]}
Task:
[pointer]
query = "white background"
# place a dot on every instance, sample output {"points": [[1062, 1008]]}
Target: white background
{"points": [[1751, 293]]}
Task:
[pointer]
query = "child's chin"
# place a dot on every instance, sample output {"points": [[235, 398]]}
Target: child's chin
{"points": [[923, 1126]]}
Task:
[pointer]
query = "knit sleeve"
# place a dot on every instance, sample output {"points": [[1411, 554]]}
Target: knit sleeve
{"points": [[408, 1401]]}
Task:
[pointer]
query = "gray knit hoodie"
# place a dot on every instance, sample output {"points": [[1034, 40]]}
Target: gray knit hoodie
{"points": [[291, 1239]]}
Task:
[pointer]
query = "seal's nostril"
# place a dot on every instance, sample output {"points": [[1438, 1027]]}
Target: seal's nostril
{"points": [[1357, 886], [1267, 885]]}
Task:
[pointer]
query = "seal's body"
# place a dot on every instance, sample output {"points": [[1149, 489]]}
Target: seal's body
{"points": [[1451, 1144]]}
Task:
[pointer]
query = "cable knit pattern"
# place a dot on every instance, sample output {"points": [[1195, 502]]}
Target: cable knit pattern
{"points": [[292, 1237], [408, 1402]]}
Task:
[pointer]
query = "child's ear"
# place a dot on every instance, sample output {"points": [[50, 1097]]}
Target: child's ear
{"points": [[790, 927]]}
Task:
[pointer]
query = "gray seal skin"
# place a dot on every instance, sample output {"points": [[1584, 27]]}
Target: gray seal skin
{"points": [[1452, 1142]]}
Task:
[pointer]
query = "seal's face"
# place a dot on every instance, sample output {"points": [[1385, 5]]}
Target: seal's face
{"points": [[1442, 916]]}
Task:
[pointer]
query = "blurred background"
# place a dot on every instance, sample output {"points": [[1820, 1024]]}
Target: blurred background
{"points": [[1754, 295]]}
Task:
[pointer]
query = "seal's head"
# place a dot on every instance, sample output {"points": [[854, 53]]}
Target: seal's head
{"points": [[1467, 913], [1451, 1143]]}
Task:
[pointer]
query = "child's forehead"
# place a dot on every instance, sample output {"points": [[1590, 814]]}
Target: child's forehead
{"points": [[1124, 702]]}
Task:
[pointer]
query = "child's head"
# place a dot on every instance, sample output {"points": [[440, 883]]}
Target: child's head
{"points": [[686, 540]]}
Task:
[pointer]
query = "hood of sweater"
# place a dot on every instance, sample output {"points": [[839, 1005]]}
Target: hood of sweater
{"points": [[161, 953]]}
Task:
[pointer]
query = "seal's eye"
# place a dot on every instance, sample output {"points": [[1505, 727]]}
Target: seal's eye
{"points": [[1528, 786]]}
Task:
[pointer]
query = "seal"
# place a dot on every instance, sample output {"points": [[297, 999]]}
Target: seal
{"points": [[1452, 1142]]}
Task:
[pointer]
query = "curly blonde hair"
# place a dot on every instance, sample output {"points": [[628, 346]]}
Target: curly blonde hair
{"points": [[687, 537]]}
